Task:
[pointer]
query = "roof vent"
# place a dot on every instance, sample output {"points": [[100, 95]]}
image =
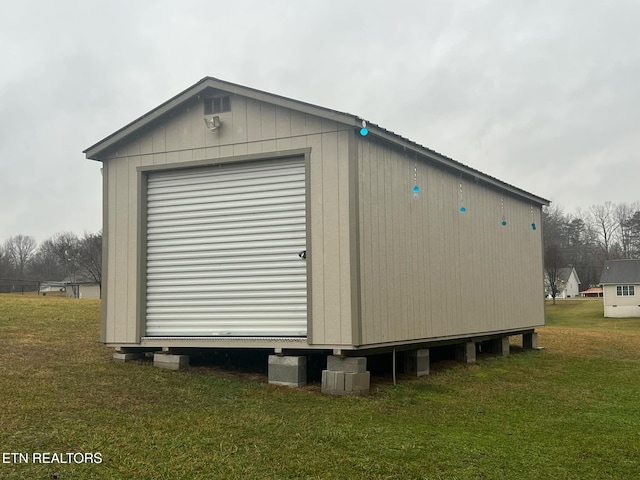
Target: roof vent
{"points": [[217, 105]]}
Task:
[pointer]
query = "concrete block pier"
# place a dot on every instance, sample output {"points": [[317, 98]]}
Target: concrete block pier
{"points": [[346, 376], [289, 371], [416, 362]]}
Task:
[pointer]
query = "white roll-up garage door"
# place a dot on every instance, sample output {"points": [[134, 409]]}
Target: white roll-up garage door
{"points": [[223, 251]]}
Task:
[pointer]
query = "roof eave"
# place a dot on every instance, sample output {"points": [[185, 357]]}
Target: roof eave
{"points": [[445, 161], [97, 151]]}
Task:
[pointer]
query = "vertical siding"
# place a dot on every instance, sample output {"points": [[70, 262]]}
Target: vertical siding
{"points": [[251, 127], [109, 298], [120, 245], [120, 318], [428, 270]]}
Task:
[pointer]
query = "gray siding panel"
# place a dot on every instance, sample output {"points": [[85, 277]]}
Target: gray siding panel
{"points": [[222, 251], [430, 271]]}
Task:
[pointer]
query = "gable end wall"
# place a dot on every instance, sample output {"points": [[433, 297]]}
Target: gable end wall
{"points": [[252, 128]]}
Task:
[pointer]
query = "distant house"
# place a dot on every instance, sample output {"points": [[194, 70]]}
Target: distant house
{"points": [[568, 283], [83, 290], [49, 286], [620, 281]]}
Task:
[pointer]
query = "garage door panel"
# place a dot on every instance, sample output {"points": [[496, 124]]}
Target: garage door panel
{"points": [[252, 290], [191, 216], [222, 251], [195, 256], [223, 191], [267, 203], [243, 197], [222, 175], [285, 218], [223, 247]]}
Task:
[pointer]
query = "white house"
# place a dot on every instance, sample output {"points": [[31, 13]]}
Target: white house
{"points": [[568, 283], [620, 281]]}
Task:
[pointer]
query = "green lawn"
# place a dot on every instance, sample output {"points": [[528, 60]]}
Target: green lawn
{"points": [[586, 313], [570, 411]]}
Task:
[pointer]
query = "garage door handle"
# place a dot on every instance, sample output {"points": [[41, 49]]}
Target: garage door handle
{"points": [[303, 254]]}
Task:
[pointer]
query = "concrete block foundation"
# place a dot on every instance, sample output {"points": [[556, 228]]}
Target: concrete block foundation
{"points": [[170, 361], [347, 364], [357, 383], [346, 376], [289, 371], [127, 357], [466, 352], [500, 346], [416, 362], [332, 381], [530, 340]]}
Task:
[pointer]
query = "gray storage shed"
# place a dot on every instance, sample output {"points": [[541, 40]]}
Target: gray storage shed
{"points": [[239, 218]]}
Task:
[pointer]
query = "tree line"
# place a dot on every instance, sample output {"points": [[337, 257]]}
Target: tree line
{"points": [[63, 257], [583, 240], [587, 238]]}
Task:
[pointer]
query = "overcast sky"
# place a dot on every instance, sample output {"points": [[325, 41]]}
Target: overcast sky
{"points": [[544, 95]]}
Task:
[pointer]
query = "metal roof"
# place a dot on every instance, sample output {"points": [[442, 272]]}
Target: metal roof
{"points": [[99, 150], [621, 271]]}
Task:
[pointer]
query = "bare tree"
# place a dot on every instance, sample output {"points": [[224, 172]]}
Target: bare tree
{"points": [[90, 256], [633, 231], [19, 250], [586, 239], [5, 266], [555, 242], [583, 251], [554, 225], [553, 264], [66, 247], [605, 224], [623, 213], [45, 264]]}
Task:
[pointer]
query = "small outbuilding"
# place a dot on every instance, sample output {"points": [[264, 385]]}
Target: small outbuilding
{"points": [[236, 218], [83, 289], [620, 282]]}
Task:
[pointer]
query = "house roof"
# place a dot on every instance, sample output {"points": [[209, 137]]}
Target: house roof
{"points": [[100, 150], [621, 271], [565, 272], [592, 290]]}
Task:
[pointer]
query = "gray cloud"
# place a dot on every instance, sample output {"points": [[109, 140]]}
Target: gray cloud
{"points": [[543, 95]]}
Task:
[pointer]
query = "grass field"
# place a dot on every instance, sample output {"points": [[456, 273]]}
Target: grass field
{"points": [[570, 411]]}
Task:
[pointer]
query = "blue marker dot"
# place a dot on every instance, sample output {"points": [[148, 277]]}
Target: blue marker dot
{"points": [[364, 132], [462, 209], [533, 226], [504, 223]]}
